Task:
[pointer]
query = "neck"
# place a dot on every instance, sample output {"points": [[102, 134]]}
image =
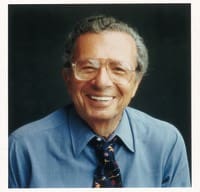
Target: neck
{"points": [[104, 128]]}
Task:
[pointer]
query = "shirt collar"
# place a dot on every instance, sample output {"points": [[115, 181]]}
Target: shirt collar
{"points": [[125, 133], [81, 134]]}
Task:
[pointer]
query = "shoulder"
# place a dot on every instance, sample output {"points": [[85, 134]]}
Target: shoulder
{"points": [[151, 129], [145, 119], [44, 126]]}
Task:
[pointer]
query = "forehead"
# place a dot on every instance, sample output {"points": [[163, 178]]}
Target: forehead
{"points": [[107, 44]]}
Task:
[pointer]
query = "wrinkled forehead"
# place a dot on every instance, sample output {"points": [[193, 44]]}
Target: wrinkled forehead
{"points": [[107, 44]]}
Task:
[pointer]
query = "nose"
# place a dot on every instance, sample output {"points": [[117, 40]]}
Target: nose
{"points": [[102, 79]]}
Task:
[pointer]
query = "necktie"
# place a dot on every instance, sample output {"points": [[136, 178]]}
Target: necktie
{"points": [[107, 173]]}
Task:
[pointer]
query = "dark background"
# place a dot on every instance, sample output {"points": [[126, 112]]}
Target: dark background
{"points": [[36, 46]]}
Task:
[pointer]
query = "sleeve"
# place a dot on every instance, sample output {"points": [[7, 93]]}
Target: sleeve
{"points": [[176, 171], [18, 164]]}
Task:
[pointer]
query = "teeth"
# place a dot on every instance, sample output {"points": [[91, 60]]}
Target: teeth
{"points": [[101, 98]]}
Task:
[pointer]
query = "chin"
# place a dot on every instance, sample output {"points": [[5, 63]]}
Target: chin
{"points": [[102, 116]]}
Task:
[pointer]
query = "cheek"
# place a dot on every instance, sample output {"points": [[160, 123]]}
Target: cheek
{"points": [[127, 92], [75, 90]]}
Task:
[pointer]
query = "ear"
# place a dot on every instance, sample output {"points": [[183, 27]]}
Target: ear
{"points": [[66, 74], [137, 83]]}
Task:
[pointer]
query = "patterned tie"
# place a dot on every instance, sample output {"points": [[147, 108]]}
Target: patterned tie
{"points": [[107, 173]]}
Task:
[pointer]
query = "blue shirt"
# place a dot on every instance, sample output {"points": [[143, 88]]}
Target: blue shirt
{"points": [[54, 152]]}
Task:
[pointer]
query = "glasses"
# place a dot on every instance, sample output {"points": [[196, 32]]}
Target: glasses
{"points": [[118, 72]]}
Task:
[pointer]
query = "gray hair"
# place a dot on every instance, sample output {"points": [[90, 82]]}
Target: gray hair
{"points": [[100, 23]]}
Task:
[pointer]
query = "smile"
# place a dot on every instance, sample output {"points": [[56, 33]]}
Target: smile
{"points": [[102, 98]]}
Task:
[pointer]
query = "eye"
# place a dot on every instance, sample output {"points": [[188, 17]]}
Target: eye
{"points": [[87, 67], [118, 69]]}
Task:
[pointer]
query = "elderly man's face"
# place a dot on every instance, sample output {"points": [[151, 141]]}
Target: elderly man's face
{"points": [[101, 99]]}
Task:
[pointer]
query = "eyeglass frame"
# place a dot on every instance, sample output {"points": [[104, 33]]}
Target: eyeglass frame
{"points": [[74, 69]]}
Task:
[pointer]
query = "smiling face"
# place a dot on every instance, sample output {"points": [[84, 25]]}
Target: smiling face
{"points": [[101, 99]]}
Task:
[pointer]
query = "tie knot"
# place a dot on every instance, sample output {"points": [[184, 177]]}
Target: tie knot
{"points": [[100, 144], [104, 149]]}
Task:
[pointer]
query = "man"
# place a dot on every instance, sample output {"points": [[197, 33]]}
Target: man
{"points": [[98, 141]]}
